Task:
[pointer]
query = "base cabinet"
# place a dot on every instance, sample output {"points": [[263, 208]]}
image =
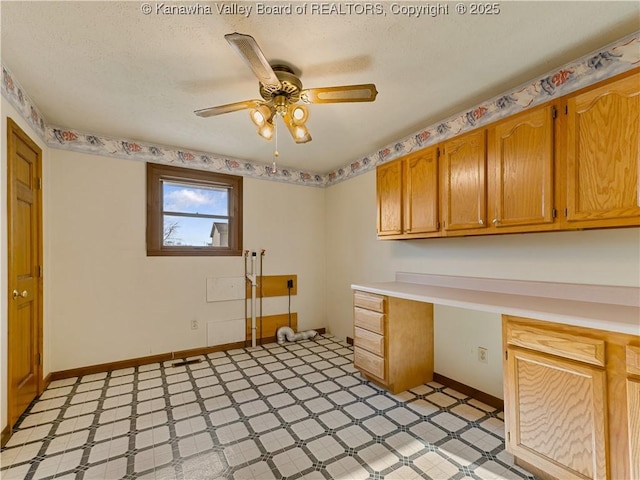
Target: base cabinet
{"points": [[633, 408], [570, 401], [556, 415], [393, 340]]}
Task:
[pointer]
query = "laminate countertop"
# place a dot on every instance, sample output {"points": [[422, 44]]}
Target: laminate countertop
{"points": [[603, 307]]}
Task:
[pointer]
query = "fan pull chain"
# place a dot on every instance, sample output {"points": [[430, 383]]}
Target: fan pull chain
{"points": [[276, 154]]}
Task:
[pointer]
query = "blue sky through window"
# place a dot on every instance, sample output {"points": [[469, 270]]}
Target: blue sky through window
{"points": [[194, 200]]}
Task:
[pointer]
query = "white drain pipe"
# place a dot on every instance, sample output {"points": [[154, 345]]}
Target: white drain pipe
{"points": [[252, 278], [291, 336]]}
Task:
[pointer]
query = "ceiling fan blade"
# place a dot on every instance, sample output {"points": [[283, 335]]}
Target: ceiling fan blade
{"points": [[250, 52], [347, 93], [300, 134], [230, 107]]}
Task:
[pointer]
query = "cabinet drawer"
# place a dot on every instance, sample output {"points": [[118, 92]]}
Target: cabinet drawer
{"points": [[373, 321], [574, 347], [369, 341], [370, 301], [368, 362]]}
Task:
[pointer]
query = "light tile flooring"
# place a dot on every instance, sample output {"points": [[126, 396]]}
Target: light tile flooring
{"points": [[298, 411]]}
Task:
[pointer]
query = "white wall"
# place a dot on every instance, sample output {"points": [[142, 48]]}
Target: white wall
{"points": [[7, 111], [608, 257], [105, 300], [110, 302]]}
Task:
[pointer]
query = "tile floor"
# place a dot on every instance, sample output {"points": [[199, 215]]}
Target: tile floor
{"points": [[298, 411]]}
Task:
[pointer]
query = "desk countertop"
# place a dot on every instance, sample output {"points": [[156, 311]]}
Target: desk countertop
{"points": [[611, 308]]}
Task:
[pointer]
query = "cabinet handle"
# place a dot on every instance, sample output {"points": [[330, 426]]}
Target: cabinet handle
{"points": [[495, 221], [481, 222]]}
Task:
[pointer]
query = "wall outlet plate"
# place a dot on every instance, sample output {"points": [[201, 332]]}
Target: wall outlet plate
{"points": [[483, 355], [195, 325]]}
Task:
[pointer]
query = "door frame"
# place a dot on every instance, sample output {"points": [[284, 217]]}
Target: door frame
{"points": [[14, 129]]}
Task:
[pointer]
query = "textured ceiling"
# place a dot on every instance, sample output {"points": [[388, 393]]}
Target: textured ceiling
{"points": [[108, 69]]}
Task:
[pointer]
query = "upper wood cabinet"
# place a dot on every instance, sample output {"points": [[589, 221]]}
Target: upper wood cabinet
{"points": [[521, 166], [603, 155], [464, 186], [389, 198], [407, 195], [421, 193], [573, 163]]}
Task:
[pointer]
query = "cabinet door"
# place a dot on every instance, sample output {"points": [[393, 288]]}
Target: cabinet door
{"points": [[464, 182], [557, 415], [389, 198], [521, 162], [603, 153], [633, 412], [421, 192], [633, 408]]}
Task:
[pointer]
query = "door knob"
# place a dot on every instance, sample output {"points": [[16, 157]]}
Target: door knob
{"points": [[17, 294]]}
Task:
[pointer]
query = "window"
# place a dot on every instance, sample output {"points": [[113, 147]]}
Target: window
{"points": [[193, 212]]}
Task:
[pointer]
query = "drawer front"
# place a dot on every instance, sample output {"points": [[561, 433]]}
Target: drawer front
{"points": [[373, 321], [574, 347], [369, 301], [370, 363], [369, 341]]}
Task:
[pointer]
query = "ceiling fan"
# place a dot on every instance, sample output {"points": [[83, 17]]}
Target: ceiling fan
{"points": [[281, 90]]}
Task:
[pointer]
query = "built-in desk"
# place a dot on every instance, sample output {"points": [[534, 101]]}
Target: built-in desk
{"points": [[571, 362], [603, 307]]}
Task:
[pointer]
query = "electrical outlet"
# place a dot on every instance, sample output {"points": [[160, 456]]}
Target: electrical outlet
{"points": [[483, 355], [195, 325], [290, 283]]}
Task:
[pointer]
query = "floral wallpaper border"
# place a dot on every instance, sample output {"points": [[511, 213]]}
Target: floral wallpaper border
{"points": [[16, 96], [611, 60]]}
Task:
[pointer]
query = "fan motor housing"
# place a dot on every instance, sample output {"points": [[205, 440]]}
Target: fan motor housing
{"points": [[290, 85]]}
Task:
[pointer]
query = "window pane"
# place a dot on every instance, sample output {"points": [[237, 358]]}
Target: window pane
{"points": [[195, 232], [204, 200]]}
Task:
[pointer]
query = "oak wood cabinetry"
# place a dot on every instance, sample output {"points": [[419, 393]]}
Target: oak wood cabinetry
{"points": [[464, 184], [421, 192], [393, 340], [564, 389], [570, 164], [407, 195], [633, 408], [521, 169], [602, 130], [389, 198]]}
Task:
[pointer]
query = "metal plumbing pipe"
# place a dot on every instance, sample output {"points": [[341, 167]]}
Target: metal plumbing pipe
{"points": [[288, 334]]}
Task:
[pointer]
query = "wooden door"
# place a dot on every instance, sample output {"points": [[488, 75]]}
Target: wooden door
{"points": [[464, 182], [389, 198], [24, 266], [603, 153], [557, 415], [521, 161], [421, 192]]}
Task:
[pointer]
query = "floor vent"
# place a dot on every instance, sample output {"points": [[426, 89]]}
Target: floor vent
{"points": [[186, 362]]}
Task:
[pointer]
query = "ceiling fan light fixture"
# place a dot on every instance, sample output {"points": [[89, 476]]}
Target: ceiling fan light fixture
{"points": [[281, 90], [301, 134], [261, 115], [299, 114], [267, 130]]}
